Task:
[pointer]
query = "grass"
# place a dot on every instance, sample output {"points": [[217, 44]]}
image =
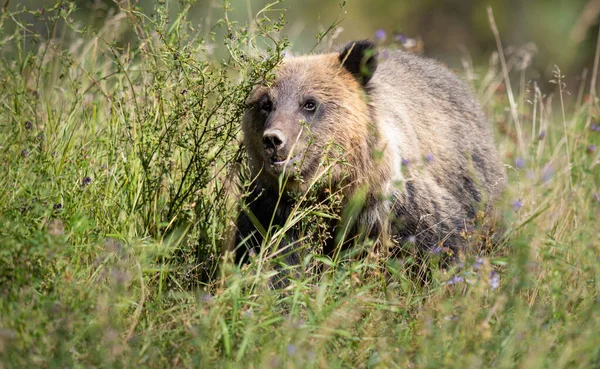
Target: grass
{"points": [[119, 164]]}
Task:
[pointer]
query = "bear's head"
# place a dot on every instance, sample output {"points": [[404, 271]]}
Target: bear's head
{"points": [[315, 114]]}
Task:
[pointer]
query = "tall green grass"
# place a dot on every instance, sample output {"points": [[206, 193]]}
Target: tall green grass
{"points": [[120, 177]]}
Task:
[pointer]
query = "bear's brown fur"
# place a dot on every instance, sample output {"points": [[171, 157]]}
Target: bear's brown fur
{"points": [[410, 131]]}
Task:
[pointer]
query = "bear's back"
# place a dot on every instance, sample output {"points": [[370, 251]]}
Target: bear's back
{"points": [[438, 121]]}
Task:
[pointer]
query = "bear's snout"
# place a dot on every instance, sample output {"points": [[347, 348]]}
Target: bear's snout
{"points": [[273, 141]]}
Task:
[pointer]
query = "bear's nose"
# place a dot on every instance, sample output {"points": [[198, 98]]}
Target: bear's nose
{"points": [[273, 139]]}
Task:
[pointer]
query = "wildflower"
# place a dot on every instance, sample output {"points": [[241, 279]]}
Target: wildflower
{"points": [[291, 349], [380, 35], [28, 125], [547, 173], [437, 250], [86, 181], [517, 205], [411, 239], [542, 135], [591, 149], [595, 127], [184, 91], [401, 38], [520, 163], [597, 197], [455, 280], [429, 158], [494, 280], [478, 264], [25, 153], [405, 162], [57, 206], [207, 298]]}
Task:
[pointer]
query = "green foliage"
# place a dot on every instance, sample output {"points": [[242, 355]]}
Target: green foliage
{"points": [[119, 181]]}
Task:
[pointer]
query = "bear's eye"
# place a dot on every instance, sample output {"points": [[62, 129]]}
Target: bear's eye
{"points": [[310, 105], [265, 105]]}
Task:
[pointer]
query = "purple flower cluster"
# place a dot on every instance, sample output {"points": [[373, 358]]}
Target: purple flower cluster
{"points": [[380, 35], [595, 127], [520, 163], [455, 280], [494, 280], [517, 205], [401, 38], [542, 135]]}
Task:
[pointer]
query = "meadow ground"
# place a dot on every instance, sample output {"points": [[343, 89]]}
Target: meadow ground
{"points": [[119, 164]]}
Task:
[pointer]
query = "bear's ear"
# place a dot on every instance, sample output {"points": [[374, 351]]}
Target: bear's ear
{"points": [[360, 59]]}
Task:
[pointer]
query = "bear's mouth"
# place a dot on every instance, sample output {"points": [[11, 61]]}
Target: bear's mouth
{"points": [[293, 160], [277, 166]]}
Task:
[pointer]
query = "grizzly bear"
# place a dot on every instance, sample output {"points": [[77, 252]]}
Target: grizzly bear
{"points": [[408, 138]]}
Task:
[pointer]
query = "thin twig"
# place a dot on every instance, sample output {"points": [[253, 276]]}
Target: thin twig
{"points": [[511, 98], [138, 310], [593, 82]]}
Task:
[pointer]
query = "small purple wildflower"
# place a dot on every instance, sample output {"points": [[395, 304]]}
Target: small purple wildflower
{"points": [[597, 197], [207, 298], [595, 127], [401, 38], [429, 158], [494, 280], [28, 125], [25, 153], [542, 135], [57, 206], [547, 173], [478, 264], [517, 205], [437, 250], [405, 162], [520, 163], [291, 349], [411, 239], [86, 181], [380, 35], [591, 148], [455, 280]]}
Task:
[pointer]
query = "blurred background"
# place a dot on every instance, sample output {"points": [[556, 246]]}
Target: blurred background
{"points": [[554, 32]]}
